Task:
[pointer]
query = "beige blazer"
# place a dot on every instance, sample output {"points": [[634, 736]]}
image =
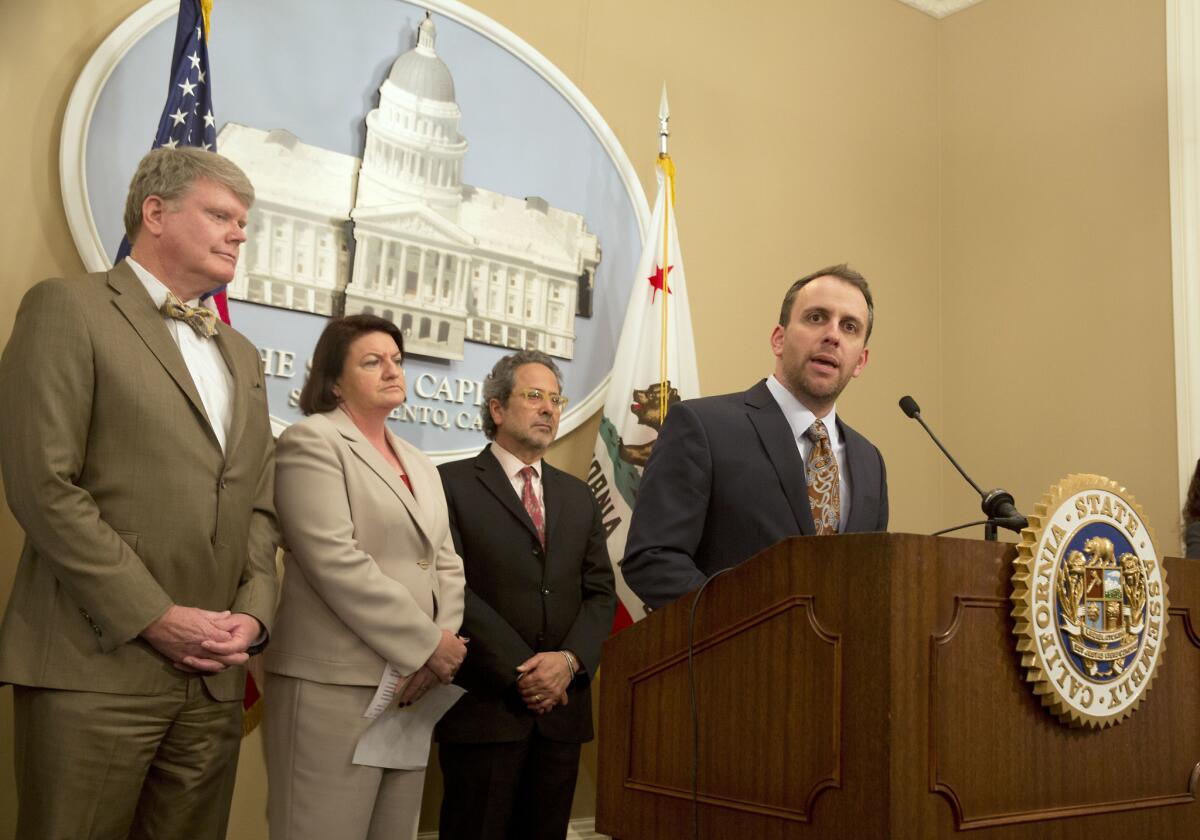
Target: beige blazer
{"points": [[370, 571], [127, 501]]}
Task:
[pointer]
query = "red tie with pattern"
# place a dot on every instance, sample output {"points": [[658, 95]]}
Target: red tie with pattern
{"points": [[532, 506], [821, 473]]}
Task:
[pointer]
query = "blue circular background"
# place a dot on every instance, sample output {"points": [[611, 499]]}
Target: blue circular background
{"points": [[314, 68], [1121, 545]]}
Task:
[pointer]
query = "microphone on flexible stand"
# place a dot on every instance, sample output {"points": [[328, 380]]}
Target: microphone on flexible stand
{"points": [[998, 505]]}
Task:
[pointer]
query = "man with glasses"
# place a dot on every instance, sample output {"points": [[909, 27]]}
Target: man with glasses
{"points": [[540, 601]]}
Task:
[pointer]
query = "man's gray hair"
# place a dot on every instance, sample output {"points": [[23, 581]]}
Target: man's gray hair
{"points": [[169, 173], [500, 382]]}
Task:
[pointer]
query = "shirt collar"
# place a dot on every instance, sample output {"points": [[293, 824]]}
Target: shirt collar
{"points": [[798, 416], [158, 292], [512, 465]]}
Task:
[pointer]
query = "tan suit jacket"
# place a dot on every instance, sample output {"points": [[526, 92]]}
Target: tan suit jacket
{"points": [[371, 575], [127, 501]]}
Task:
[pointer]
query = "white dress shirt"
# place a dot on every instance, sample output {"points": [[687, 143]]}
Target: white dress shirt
{"points": [[799, 418], [512, 466], [204, 362]]}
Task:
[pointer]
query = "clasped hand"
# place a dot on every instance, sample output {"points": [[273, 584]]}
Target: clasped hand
{"points": [[202, 641], [441, 666], [542, 680]]}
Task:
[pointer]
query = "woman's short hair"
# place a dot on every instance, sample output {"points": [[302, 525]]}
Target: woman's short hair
{"points": [[329, 357]]}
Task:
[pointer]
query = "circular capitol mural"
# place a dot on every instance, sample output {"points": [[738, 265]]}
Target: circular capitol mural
{"points": [[425, 166]]}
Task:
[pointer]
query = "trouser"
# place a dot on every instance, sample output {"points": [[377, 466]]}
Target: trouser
{"points": [[315, 790], [100, 766], [510, 791]]}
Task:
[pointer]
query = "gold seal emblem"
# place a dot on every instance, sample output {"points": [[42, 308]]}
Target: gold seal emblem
{"points": [[1090, 602]]}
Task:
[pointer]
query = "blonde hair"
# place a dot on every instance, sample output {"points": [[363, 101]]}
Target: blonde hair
{"points": [[169, 173]]}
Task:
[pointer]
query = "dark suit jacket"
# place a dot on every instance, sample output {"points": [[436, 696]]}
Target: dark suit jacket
{"points": [[725, 480], [1191, 539], [521, 599], [128, 503]]}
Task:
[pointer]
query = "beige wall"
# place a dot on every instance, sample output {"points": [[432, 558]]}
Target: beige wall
{"points": [[1056, 257], [999, 175]]}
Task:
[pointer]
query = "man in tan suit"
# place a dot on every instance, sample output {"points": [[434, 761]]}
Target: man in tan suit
{"points": [[137, 456]]}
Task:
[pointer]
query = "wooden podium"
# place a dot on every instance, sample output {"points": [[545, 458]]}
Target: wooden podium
{"points": [[868, 686]]}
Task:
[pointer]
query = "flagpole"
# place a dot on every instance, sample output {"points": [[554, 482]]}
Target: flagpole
{"points": [[668, 168]]}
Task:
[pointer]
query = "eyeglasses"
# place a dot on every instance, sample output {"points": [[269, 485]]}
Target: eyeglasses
{"points": [[536, 395]]}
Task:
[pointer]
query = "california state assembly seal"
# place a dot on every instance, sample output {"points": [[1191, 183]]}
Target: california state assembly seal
{"points": [[1090, 602]]}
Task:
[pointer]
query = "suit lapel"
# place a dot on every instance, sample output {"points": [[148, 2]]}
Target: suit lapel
{"points": [[425, 484], [238, 419], [135, 304], [370, 456], [776, 437], [855, 451], [493, 478], [551, 500]]}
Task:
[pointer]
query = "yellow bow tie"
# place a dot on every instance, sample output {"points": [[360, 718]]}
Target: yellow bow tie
{"points": [[203, 321]]}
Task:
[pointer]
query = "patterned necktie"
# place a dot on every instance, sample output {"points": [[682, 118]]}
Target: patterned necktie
{"points": [[821, 473], [532, 506], [203, 321]]}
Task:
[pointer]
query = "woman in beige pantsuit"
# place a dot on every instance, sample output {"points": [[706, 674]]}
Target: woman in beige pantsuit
{"points": [[371, 578]]}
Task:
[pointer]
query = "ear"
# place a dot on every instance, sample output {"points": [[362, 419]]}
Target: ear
{"points": [[153, 210], [496, 410], [862, 361], [777, 336]]}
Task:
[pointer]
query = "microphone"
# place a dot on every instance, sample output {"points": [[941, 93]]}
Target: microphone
{"points": [[998, 505]]}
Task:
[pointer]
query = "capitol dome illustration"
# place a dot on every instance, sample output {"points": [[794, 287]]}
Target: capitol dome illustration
{"points": [[398, 234]]}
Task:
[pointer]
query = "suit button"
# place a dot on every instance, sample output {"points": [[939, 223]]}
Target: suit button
{"points": [[222, 483], [545, 591]]}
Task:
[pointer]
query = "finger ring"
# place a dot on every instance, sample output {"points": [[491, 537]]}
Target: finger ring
{"points": [[537, 698]]}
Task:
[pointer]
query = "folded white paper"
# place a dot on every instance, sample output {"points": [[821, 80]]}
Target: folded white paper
{"points": [[386, 692], [399, 738]]}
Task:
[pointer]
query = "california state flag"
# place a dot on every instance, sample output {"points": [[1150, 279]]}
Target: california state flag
{"points": [[655, 367]]}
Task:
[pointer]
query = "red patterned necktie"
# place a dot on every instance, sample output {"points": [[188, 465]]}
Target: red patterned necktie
{"points": [[532, 506], [821, 473]]}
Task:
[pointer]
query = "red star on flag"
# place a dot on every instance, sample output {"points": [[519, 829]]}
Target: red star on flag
{"points": [[657, 280]]}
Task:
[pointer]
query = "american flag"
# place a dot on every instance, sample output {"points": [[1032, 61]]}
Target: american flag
{"points": [[187, 117]]}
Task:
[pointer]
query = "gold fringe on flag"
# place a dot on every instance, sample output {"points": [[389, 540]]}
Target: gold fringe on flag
{"points": [[664, 382], [206, 10], [668, 167], [252, 717]]}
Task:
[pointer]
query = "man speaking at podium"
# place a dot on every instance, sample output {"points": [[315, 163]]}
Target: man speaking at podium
{"points": [[733, 474]]}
